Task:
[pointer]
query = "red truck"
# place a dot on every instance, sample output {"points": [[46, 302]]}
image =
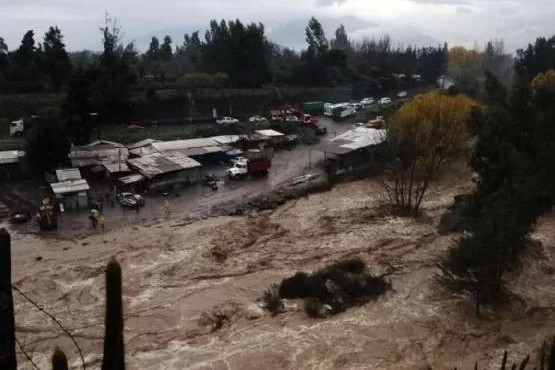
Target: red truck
{"points": [[294, 115], [255, 162]]}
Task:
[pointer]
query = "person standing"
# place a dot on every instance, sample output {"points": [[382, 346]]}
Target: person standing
{"points": [[101, 221], [167, 208]]}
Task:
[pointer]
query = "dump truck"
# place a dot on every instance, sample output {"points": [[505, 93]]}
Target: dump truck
{"points": [[255, 162]]}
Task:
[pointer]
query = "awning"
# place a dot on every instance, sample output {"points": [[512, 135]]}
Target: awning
{"points": [[136, 177]]}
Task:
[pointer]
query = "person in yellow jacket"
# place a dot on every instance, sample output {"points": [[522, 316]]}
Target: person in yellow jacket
{"points": [[167, 207], [101, 221]]}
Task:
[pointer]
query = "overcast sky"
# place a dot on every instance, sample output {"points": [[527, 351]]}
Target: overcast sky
{"points": [[416, 22]]}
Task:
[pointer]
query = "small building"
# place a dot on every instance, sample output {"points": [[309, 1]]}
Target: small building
{"points": [[169, 170], [227, 140], [71, 190], [204, 150], [357, 150], [100, 156], [272, 136], [135, 183], [143, 147], [10, 163]]}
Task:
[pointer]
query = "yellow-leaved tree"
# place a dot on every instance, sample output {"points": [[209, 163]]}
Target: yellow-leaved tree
{"points": [[423, 135], [544, 80]]}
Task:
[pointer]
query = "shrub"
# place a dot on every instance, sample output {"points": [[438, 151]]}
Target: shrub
{"points": [[271, 298], [220, 314], [213, 318], [294, 286], [334, 288]]}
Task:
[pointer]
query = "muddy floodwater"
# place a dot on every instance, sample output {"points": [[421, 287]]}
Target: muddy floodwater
{"points": [[171, 276]]}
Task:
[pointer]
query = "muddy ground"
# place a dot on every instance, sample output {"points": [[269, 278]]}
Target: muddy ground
{"points": [[171, 275], [193, 202]]}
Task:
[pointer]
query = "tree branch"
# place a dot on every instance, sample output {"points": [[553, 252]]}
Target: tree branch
{"points": [[56, 321]]}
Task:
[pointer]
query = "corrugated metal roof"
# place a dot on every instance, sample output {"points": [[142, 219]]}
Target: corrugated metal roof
{"points": [[98, 153], [11, 156], [142, 151], [66, 174], [129, 179], [142, 143], [157, 163], [192, 152], [103, 144], [116, 167], [71, 186], [226, 139], [184, 144], [360, 137], [269, 133]]}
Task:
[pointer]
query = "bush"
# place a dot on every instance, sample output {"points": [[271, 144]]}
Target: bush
{"points": [[294, 286], [334, 288], [273, 301]]}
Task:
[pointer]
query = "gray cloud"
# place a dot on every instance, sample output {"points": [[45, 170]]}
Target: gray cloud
{"points": [[329, 2], [407, 21], [463, 10], [447, 2]]}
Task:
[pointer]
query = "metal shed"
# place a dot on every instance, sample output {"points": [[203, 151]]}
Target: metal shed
{"points": [[171, 169]]}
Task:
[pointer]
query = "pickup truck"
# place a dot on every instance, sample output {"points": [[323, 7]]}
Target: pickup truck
{"points": [[242, 167]]}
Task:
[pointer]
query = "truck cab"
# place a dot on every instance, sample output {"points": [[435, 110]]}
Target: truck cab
{"points": [[238, 170]]}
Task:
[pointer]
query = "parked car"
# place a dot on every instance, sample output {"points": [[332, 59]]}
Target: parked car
{"points": [[384, 100], [226, 120], [402, 94], [131, 200], [366, 102], [258, 119]]}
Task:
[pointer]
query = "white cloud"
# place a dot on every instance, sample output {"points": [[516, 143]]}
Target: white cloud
{"points": [[455, 21]]}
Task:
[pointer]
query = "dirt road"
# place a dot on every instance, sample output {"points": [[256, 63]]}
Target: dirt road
{"points": [[171, 277]]}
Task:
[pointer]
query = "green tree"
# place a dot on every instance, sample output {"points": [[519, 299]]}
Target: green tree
{"points": [[514, 155], [341, 40], [82, 98], [153, 52], [55, 61], [46, 144], [24, 59], [116, 69], [316, 39], [166, 50], [237, 50], [4, 62], [192, 49]]}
